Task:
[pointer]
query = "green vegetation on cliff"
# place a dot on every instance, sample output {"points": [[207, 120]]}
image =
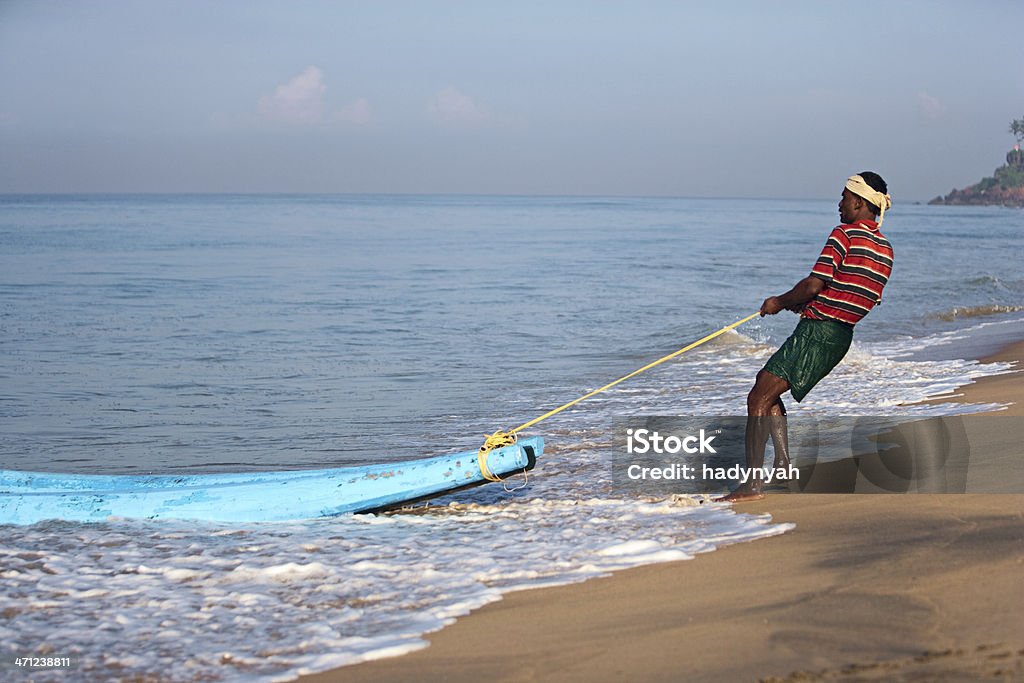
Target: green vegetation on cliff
{"points": [[1004, 187]]}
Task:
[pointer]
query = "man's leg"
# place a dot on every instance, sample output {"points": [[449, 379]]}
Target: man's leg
{"points": [[780, 435], [765, 398], [766, 417]]}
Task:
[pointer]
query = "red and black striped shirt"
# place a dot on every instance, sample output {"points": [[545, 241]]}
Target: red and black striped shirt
{"points": [[855, 265]]}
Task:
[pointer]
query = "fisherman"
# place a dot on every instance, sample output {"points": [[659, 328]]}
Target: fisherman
{"points": [[845, 283]]}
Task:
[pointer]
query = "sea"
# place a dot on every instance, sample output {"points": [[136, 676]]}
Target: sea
{"points": [[225, 333]]}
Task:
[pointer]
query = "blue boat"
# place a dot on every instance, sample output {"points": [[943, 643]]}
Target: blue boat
{"points": [[30, 497]]}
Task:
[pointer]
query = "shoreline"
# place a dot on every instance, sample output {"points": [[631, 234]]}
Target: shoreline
{"points": [[866, 587]]}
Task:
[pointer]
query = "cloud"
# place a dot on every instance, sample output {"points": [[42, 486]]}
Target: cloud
{"points": [[300, 101], [454, 107], [357, 114], [930, 107]]}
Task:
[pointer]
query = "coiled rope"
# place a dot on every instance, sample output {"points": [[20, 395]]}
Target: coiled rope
{"points": [[500, 439]]}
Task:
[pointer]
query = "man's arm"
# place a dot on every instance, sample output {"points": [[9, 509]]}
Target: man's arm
{"points": [[794, 299]]}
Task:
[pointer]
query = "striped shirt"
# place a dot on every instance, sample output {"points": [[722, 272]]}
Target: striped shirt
{"points": [[855, 265]]}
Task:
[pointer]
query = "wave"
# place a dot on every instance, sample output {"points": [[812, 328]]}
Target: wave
{"points": [[279, 599], [961, 312], [986, 280]]}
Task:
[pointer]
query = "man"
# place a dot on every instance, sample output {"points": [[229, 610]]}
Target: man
{"points": [[845, 283]]}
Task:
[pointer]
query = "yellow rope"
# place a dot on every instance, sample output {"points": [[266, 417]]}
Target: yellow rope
{"points": [[500, 439]]}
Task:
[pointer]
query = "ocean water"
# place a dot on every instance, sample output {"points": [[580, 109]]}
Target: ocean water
{"points": [[224, 333]]}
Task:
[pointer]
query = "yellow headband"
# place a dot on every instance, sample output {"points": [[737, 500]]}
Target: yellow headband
{"points": [[856, 185]]}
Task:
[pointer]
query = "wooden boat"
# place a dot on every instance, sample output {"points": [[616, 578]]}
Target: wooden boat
{"points": [[29, 497]]}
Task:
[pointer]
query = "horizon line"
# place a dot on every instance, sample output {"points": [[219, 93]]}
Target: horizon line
{"points": [[281, 193]]}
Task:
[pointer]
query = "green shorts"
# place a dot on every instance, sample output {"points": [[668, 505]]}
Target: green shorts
{"points": [[810, 353]]}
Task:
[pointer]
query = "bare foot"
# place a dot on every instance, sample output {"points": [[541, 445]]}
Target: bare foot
{"points": [[740, 495]]}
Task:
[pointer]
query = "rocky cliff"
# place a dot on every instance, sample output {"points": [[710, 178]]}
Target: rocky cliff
{"points": [[1004, 187]]}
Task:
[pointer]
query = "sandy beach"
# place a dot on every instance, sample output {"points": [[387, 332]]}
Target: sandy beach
{"points": [[866, 587]]}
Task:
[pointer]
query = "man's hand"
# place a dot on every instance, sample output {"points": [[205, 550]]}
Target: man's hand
{"points": [[771, 306]]}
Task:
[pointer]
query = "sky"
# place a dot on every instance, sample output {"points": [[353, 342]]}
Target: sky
{"points": [[699, 99]]}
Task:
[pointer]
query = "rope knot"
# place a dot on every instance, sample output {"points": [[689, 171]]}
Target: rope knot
{"points": [[498, 439]]}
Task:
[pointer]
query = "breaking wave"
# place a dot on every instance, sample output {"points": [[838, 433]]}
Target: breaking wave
{"points": [[962, 312]]}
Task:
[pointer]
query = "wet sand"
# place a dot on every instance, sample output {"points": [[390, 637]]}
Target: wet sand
{"points": [[865, 588]]}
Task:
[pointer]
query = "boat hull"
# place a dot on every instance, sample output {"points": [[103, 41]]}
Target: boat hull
{"points": [[30, 497]]}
